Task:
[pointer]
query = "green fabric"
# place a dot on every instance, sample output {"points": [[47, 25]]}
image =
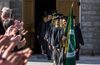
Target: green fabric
{"points": [[70, 55], [64, 29]]}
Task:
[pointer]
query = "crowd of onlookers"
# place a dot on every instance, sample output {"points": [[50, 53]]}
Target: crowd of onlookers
{"points": [[12, 40]]}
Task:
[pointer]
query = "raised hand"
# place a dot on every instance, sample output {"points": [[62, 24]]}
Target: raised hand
{"points": [[5, 40], [7, 57], [18, 24], [15, 58], [23, 32], [22, 43], [11, 31]]}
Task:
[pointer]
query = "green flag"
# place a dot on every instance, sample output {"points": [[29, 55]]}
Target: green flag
{"points": [[70, 52]]}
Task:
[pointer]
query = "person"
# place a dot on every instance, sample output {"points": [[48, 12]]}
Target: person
{"points": [[62, 57], [45, 27], [2, 31], [7, 57], [42, 34], [56, 36], [6, 17], [8, 42], [7, 21], [79, 38]]}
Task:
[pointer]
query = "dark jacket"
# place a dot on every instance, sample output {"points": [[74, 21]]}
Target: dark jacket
{"points": [[45, 27], [56, 37], [2, 31], [79, 38]]}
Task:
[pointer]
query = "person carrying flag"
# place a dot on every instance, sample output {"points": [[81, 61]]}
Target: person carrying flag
{"points": [[71, 41]]}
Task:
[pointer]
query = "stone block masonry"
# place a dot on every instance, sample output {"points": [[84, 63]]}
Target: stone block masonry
{"points": [[90, 26]]}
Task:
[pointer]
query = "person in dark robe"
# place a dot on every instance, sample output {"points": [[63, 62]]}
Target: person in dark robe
{"points": [[45, 27], [57, 33], [79, 38]]}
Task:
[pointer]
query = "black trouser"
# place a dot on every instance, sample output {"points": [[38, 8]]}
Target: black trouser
{"points": [[77, 55], [43, 45], [56, 55], [61, 60], [48, 51]]}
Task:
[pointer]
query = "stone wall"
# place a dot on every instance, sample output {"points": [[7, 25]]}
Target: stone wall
{"points": [[90, 26], [15, 5], [4, 3]]}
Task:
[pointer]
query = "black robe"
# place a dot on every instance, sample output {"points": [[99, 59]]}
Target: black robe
{"points": [[79, 40]]}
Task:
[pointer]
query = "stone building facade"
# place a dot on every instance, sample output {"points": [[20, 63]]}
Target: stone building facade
{"points": [[90, 26]]}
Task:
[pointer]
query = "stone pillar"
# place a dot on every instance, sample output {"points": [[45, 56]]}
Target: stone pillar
{"points": [[90, 25]]}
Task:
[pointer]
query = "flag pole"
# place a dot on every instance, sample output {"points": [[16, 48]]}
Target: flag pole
{"points": [[71, 9], [72, 4], [70, 54], [70, 13]]}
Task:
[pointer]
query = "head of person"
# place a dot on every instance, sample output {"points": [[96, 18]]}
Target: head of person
{"points": [[64, 20], [45, 17], [64, 23], [57, 22], [49, 17], [5, 13]]}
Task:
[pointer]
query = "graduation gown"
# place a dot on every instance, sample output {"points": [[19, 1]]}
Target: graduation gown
{"points": [[79, 40]]}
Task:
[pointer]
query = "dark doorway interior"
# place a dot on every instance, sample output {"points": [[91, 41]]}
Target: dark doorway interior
{"points": [[40, 7]]}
